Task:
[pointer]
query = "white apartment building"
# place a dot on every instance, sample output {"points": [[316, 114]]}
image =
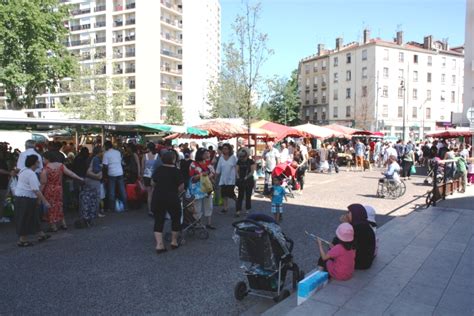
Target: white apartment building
{"points": [[144, 43], [469, 60], [384, 85]]}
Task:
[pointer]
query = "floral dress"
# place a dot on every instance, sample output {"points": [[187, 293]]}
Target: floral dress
{"points": [[53, 192]]}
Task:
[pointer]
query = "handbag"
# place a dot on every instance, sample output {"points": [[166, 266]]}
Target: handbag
{"points": [[412, 169], [206, 184], [91, 174]]}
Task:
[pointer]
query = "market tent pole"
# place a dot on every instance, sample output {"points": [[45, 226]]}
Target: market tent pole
{"points": [[76, 138], [102, 136]]}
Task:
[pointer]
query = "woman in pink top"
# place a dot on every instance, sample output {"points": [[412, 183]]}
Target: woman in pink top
{"points": [[339, 261]]}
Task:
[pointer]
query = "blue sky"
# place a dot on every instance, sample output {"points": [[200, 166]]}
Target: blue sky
{"points": [[295, 27]]}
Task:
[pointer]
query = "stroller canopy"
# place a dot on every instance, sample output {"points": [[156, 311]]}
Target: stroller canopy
{"points": [[284, 168]]}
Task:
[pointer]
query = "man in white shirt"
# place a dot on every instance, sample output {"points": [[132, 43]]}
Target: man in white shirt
{"points": [[284, 153], [30, 150], [112, 162], [270, 158]]}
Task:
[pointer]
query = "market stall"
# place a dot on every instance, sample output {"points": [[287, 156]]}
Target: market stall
{"points": [[318, 132], [281, 131]]}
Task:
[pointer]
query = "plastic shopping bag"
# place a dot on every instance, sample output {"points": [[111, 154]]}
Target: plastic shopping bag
{"points": [[413, 169], [206, 184]]}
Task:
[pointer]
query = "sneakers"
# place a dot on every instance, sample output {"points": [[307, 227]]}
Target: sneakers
{"points": [[101, 214]]}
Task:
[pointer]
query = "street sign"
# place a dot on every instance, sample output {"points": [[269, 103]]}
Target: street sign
{"points": [[470, 114]]}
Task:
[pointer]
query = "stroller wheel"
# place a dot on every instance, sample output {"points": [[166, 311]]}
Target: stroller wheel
{"points": [[240, 290], [284, 294], [202, 234]]}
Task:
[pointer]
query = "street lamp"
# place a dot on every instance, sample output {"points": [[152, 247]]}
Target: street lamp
{"points": [[402, 86]]}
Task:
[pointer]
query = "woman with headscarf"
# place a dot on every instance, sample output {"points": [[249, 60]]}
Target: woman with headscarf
{"points": [[364, 237]]}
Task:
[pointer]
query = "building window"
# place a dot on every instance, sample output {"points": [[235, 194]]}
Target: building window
{"points": [[324, 65], [443, 62], [307, 82], [306, 69], [428, 95], [453, 96], [364, 91], [364, 54], [335, 97], [415, 59], [401, 57], [453, 79], [385, 110], [315, 82], [454, 64], [400, 93], [385, 72], [334, 112], [443, 78], [315, 66], [400, 73], [364, 72], [443, 97], [428, 113], [428, 77], [414, 112], [323, 99], [415, 76], [348, 111], [348, 58], [348, 93], [385, 54], [400, 112], [385, 91], [430, 60], [336, 61], [348, 75], [315, 115], [323, 115], [415, 94], [336, 77]]}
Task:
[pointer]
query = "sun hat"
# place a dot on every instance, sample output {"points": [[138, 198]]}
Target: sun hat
{"points": [[370, 213], [345, 232]]}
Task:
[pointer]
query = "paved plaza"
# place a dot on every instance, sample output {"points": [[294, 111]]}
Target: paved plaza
{"points": [[112, 268]]}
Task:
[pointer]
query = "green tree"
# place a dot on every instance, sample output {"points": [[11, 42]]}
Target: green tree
{"points": [[97, 96], [33, 56], [174, 112], [284, 103], [239, 86]]}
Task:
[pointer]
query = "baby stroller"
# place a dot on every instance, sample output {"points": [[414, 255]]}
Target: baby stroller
{"points": [[287, 174], [439, 176], [190, 225], [266, 252]]}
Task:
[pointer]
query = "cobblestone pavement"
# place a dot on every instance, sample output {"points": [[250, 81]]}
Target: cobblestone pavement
{"points": [[112, 268]]}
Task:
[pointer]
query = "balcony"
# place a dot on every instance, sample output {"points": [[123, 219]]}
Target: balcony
{"points": [[171, 86], [129, 38], [118, 39], [118, 54], [169, 70], [100, 55], [130, 6], [130, 22], [80, 42], [100, 24], [86, 57], [306, 88], [118, 23], [130, 53], [170, 38], [323, 85], [101, 71], [118, 71], [100, 40], [170, 54], [129, 70], [80, 27], [323, 100], [174, 23], [118, 8], [131, 84], [80, 11], [171, 6], [100, 8]]}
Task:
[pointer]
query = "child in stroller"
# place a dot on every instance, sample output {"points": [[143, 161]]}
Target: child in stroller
{"points": [[266, 251], [190, 222]]}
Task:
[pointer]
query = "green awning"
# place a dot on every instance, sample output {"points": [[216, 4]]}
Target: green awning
{"points": [[175, 129]]}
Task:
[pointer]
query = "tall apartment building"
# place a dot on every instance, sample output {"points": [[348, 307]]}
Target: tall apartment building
{"points": [[469, 61], [157, 47], [375, 84]]}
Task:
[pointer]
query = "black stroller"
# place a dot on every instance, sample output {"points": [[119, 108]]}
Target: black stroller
{"points": [[267, 254]]}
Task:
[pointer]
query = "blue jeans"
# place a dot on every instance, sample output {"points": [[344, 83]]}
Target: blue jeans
{"points": [[111, 187]]}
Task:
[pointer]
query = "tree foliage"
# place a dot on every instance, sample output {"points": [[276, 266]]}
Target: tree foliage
{"points": [[236, 92], [174, 112], [32, 52], [96, 96], [284, 103]]}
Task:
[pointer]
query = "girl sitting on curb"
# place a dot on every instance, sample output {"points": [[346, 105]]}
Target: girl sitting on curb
{"points": [[339, 261]]}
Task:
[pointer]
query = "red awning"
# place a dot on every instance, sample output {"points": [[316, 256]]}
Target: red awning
{"points": [[449, 133], [281, 131], [345, 130]]}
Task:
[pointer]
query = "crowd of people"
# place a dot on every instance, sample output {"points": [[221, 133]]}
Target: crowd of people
{"points": [[115, 178]]}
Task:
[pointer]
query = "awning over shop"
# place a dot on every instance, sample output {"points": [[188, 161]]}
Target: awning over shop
{"points": [[280, 131], [319, 132], [449, 133], [175, 129]]}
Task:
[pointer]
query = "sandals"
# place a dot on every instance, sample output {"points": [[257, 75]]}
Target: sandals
{"points": [[24, 244], [43, 238]]}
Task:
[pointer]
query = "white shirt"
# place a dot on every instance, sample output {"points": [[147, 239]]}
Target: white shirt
{"points": [[226, 168], [113, 160], [271, 157], [464, 153], [285, 155], [391, 152], [27, 183], [22, 158]]}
